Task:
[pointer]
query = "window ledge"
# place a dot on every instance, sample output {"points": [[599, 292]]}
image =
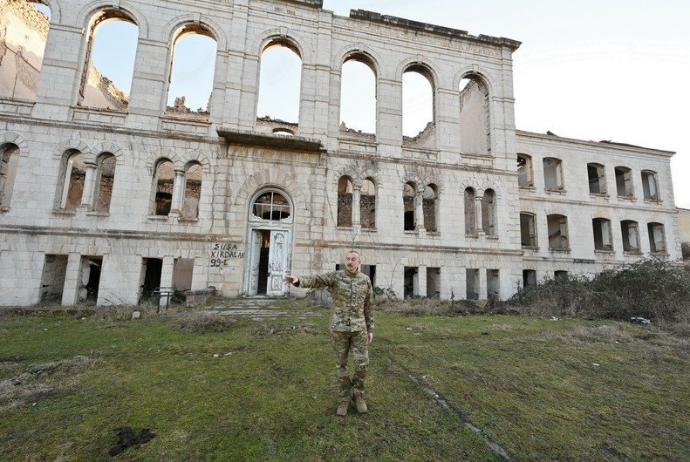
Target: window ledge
{"points": [[559, 250], [433, 233], [98, 214], [660, 254], [653, 201], [472, 236], [344, 228], [599, 195], [632, 253], [410, 232], [188, 220], [604, 251], [556, 191], [370, 230], [527, 188], [533, 248], [627, 198], [492, 237], [64, 212], [158, 217]]}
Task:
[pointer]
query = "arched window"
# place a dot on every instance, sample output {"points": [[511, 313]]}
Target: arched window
{"points": [[553, 174], [358, 96], [192, 190], [597, 178], [631, 236], [22, 45], [418, 107], [344, 201], [525, 172], [602, 234], [475, 120], [489, 212], [280, 80], [624, 182], [109, 62], [430, 207], [650, 185], [558, 232], [409, 204], [73, 181], [657, 238], [192, 71], [271, 205], [9, 159], [105, 178], [470, 212], [367, 204], [164, 185]]}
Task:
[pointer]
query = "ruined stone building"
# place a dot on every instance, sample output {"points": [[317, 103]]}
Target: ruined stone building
{"points": [[107, 196]]}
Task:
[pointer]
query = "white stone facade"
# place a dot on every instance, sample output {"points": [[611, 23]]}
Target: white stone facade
{"points": [[475, 248]]}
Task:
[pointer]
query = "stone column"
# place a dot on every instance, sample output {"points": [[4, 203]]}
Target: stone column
{"points": [[419, 209], [178, 193], [478, 219], [167, 272], [89, 186], [70, 291], [356, 195], [421, 281], [482, 284]]}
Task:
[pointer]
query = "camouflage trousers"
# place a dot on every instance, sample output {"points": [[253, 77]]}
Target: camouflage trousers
{"points": [[343, 343]]}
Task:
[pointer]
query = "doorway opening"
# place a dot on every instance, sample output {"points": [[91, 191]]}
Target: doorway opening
{"points": [[150, 279]]}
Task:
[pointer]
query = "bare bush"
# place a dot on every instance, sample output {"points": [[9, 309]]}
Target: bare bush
{"points": [[437, 307], [651, 288], [200, 322]]}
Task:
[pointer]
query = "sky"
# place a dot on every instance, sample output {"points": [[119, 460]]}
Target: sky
{"points": [[596, 70]]}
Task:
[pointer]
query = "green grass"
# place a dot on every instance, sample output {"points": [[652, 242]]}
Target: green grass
{"points": [[567, 390]]}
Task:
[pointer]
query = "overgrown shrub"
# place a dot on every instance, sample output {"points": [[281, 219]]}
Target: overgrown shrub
{"points": [[650, 288], [434, 306], [200, 323]]}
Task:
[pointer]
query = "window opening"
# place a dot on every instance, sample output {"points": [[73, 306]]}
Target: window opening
{"points": [[470, 213], [345, 202], [524, 169], [279, 84], [433, 282], [649, 185], [657, 240], [151, 271], [475, 120], [602, 234], [53, 280], [90, 279], [164, 182], [529, 278], [489, 212], [367, 204], [472, 283], [9, 159], [192, 190], [624, 183], [192, 72], [553, 174], [358, 97], [105, 178], [430, 208], [418, 107], [75, 174], [410, 286], [630, 235], [528, 231], [493, 284], [560, 276], [597, 179], [409, 199], [558, 232], [111, 50]]}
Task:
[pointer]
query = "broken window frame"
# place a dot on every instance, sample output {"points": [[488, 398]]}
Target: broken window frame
{"points": [[9, 163], [603, 240], [556, 165], [630, 235], [596, 176], [103, 157], [657, 238], [99, 18], [185, 190], [281, 207], [366, 60], [489, 213], [562, 222], [650, 185], [528, 228], [345, 190], [525, 171], [187, 30], [69, 179], [624, 182]]}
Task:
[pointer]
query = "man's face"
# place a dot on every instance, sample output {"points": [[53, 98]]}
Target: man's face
{"points": [[352, 262]]}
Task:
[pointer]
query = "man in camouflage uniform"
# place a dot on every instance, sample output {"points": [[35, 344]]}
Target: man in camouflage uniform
{"points": [[352, 325]]}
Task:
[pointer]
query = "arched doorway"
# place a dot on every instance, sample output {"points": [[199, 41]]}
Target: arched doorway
{"points": [[269, 235]]}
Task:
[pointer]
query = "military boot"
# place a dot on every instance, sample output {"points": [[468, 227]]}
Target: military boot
{"points": [[361, 404], [342, 407]]}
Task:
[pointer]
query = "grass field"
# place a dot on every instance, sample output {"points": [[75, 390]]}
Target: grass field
{"points": [[265, 390]]}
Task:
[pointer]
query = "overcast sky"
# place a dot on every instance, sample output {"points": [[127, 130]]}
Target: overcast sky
{"points": [[589, 69]]}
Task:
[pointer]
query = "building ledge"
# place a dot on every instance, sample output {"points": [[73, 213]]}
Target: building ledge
{"points": [[291, 143]]}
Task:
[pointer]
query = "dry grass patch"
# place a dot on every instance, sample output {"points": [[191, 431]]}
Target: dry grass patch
{"points": [[200, 322]]}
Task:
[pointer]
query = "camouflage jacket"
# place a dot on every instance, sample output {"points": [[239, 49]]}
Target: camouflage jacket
{"points": [[352, 295]]}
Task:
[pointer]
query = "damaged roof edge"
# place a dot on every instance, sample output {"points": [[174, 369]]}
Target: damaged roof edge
{"points": [[431, 28], [604, 143], [292, 143]]}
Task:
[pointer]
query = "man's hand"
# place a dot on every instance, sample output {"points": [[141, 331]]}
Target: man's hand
{"points": [[291, 279], [370, 337]]}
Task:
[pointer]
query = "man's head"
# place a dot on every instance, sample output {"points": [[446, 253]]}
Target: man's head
{"points": [[352, 261]]}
